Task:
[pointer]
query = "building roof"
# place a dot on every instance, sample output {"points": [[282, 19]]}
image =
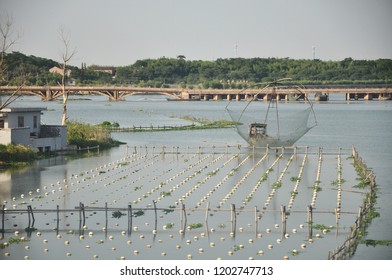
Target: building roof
{"points": [[22, 109]]}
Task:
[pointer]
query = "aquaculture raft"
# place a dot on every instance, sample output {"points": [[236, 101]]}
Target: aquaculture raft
{"points": [[213, 202]]}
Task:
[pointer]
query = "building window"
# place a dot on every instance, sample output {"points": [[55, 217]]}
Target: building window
{"points": [[20, 121], [35, 121], [1, 124]]}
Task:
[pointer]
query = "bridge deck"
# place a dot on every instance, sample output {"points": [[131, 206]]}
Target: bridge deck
{"points": [[120, 92]]}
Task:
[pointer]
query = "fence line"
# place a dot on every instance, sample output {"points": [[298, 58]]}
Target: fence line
{"points": [[226, 149], [168, 127], [130, 210], [347, 249]]}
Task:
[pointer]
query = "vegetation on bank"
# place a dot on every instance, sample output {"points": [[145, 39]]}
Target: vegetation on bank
{"points": [[201, 124], [235, 73], [85, 135], [80, 134], [13, 155]]}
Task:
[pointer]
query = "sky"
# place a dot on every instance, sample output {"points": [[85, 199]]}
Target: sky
{"points": [[119, 32]]}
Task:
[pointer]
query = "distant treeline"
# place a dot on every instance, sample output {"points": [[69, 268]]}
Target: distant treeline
{"points": [[221, 73]]}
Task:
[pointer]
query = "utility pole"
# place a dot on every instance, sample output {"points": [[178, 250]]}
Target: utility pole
{"points": [[314, 52]]}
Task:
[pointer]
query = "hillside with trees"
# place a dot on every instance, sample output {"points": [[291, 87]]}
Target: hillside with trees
{"points": [[221, 73]]}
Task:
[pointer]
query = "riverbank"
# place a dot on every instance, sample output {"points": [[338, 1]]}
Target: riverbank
{"points": [[82, 135], [85, 135], [200, 126], [13, 155]]}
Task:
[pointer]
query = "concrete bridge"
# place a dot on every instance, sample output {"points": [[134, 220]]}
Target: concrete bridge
{"points": [[282, 93]]}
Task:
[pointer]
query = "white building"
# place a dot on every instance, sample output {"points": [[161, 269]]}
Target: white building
{"points": [[23, 126]]}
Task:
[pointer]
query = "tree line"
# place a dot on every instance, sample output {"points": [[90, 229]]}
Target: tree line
{"points": [[221, 73]]}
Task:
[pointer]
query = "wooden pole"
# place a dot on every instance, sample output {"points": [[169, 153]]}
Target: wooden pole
{"points": [[58, 218], [206, 215], [233, 219], [256, 221], [129, 219], [83, 213], [28, 213], [80, 215], [2, 219], [156, 214], [310, 220], [283, 210], [359, 220], [183, 216], [106, 215]]}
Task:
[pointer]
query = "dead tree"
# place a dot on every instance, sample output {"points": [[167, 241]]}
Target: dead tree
{"points": [[66, 57], [7, 40]]}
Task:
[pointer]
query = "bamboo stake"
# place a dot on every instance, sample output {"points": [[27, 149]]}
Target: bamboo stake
{"points": [[206, 215], [156, 214], [2, 220], [106, 215], [184, 215], [310, 221], [129, 214], [256, 221], [58, 219], [28, 213], [283, 209], [233, 219]]}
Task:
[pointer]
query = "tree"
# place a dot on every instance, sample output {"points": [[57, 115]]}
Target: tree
{"points": [[7, 40], [66, 57]]}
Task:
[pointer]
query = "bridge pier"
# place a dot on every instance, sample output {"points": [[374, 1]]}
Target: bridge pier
{"points": [[48, 95], [384, 96], [185, 95], [368, 96], [217, 97]]}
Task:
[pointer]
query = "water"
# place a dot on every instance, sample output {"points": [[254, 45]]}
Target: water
{"points": [[366, 125]]}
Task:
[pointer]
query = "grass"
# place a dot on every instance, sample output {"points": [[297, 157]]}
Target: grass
{"points": [[322, 227], [138, 213], [277, 185], [294, 179], [13, 155], [86, 135], [195, 225], [117, 214], [165, 193], [374, 243], [13, 240], [167, 211], [169, 225]]}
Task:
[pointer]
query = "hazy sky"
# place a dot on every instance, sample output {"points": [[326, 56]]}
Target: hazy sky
{"points": [[119, 32]]}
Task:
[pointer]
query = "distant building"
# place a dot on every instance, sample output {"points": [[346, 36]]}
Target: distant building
{"points": [[58, 70], [23, 126], [105, 69]]}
